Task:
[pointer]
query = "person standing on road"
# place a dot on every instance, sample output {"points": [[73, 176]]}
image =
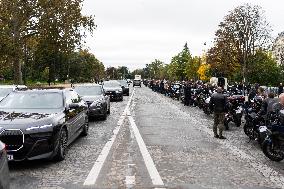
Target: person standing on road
{"points": [[280, 89], [267, 106], [187, 94], [218, 103]]}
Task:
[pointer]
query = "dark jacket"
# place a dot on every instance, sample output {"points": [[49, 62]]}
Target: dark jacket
{"points": [[267, 105], [278, 108], [280, 89], [187, 91], [218, 103]]}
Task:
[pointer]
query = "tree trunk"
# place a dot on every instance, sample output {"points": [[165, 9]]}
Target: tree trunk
{"points": [[18, 77]]}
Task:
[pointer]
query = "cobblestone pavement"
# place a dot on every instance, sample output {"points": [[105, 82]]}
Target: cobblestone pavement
{"points": [[179, 140]]}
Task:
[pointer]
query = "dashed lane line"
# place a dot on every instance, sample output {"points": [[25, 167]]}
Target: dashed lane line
{"points": [[96, 169]]}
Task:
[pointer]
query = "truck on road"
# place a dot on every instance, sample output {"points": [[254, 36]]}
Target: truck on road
{"points": [[137, 80]]}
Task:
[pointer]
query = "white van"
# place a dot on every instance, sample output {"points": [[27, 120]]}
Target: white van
{"points": [[219, 81]]}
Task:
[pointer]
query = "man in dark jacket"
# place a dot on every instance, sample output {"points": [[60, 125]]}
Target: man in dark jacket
{"points": [[187, 94], [267, 106], [218, 103]]}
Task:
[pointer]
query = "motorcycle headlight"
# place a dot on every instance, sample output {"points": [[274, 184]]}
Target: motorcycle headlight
{"points": [[39, 127]]}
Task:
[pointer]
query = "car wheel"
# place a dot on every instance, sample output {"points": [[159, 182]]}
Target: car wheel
{"points": [[85, 128], [108, 111], [62, 145], [105, 116]]}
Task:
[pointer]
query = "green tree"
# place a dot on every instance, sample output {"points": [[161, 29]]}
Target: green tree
{"points": [[177, 67], [55, 27], [112, 73], [192, 67], [123, 72], [240, 34], [85, 67], [263, 69]]}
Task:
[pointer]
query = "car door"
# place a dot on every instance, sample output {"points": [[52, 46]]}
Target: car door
{"points": [[71, 114], [80, 111]]}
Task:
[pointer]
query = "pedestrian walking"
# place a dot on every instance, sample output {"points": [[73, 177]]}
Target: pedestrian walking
{"points": [[218, 103]]}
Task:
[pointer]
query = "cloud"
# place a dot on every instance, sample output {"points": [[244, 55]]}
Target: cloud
{"points": [[135, 32]]}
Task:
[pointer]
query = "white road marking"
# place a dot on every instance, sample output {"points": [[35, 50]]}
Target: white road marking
{"points": [[129, 181], [152, 170], [95, 171]]}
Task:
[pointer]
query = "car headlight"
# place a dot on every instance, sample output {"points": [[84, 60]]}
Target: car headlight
{"points": [[97, 103], [39, 127]]}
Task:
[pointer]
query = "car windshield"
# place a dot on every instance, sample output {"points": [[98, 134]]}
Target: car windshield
{"points": [[32, 101], [5, 91], [123, 82], [88, 90], [111, 84]]}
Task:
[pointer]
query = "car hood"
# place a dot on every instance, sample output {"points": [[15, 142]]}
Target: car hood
{"points": [[91, 98], [23, 120]]}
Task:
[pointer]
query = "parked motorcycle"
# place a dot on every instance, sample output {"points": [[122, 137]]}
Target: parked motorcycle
{"points": [[235, 110], [206, 107], [253, 125], [176, 91], [273, 145]]}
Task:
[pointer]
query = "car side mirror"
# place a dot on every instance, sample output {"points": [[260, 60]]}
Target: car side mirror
{"points": [[73, 106]]}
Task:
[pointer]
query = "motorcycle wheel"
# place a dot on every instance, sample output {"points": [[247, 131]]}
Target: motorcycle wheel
{"points": [[267, 148], [248, 130], [238, 122]]}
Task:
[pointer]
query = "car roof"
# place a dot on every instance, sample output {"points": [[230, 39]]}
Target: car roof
{"points": [[45, 90], [111, 81], [87, 85], [13, 86]]}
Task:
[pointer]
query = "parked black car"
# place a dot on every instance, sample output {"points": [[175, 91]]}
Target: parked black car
{"points": [[36, 124], [113, 89], [125, 87], [4, 169], [94, 96]]}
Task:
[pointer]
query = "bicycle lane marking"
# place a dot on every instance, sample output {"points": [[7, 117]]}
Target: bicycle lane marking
{"points": [[96, 169]]}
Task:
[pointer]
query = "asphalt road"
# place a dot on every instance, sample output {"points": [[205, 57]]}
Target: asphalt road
{"points": [[152, 141]]}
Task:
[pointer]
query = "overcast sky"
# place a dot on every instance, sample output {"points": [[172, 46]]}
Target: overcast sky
{"points": [[133, 33]]}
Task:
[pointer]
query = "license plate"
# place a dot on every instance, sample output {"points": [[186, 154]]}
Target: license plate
{"points": [[10, 157]]}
